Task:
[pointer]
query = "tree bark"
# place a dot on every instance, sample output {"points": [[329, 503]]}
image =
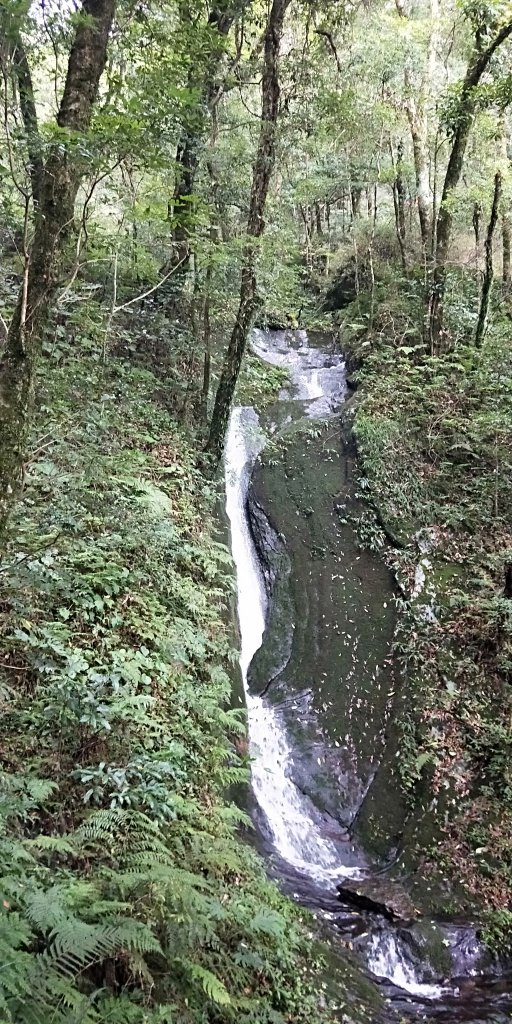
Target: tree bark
{"points": [[465, 117], [318, 219], [15, 51], [477, 217], [416, 108], [54, 217], [506, 234], [507, 589], [262, 172], [489, 265], [355, 202], [398, 188]]}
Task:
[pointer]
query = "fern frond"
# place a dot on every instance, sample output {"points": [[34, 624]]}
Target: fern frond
{"points": [[212, 986], [77, 945], [269, 923], [137, 937], [51, 844]]}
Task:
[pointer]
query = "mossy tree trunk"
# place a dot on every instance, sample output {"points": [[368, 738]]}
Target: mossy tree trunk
{"points": [[61, 176], [262, 173], [465, 117], [193, 137], [489, 263], [14, 59]]}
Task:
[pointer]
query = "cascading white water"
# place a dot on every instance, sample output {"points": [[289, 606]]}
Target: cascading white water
{"points": [[386, 960], [294, 823]]}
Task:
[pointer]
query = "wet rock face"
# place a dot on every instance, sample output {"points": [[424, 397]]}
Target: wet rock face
{"points": [[350, 280], [382, 896], [325, 656]]}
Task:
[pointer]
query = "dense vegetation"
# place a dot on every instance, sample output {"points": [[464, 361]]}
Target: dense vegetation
{"points": [[170, 173]]}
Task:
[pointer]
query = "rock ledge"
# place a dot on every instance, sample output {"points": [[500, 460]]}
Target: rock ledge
{"points": [[379, 895]]}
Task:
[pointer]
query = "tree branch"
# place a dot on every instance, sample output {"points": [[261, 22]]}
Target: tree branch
{"points": [[327, 35]]}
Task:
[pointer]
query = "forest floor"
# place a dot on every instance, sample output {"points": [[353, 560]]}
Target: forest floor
{"points": [[434, 439]]}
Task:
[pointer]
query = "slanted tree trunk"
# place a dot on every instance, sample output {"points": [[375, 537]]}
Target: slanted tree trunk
{"points": [[489, 264], [477, 66], [61, 177], [262, 172]]}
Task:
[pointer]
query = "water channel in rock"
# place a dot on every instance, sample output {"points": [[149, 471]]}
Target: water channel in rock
{"points": [[316, 620]]}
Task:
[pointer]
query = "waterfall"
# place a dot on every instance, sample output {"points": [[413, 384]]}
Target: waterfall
{"points": [[386, 960], [294, 824]]}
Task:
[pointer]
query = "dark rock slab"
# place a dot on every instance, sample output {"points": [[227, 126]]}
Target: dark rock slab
{"points": [[381, 896], [351, 279], [325, 659]]}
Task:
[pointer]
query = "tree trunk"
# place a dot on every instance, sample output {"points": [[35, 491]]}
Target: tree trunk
{"points": [[419, 128], [400, 189], [15, 51], [207, 333], [506, 235], [60, 181], [464, 122], [489, 266], [192, 140], [262, 172], [477, 217], [507, 590], [399, 200], [355, 202], [318, 218], [416, 107]]}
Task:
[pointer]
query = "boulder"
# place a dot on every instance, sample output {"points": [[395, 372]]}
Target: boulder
{"points": [[350, 280], [380, 895]]}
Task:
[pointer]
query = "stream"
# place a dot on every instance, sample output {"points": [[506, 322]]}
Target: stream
{"points": [[316, 620]]}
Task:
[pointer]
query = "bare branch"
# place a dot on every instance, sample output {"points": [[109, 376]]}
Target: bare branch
{"points": [[144, 295], [327, 35]]}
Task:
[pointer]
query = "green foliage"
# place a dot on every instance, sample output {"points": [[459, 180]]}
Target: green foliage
{"points": [[260, 383], [127, 895], [435, 444], [497, 933]]}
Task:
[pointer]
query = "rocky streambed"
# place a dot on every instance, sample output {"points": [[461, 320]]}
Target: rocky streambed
{"points": [[316, 616]]}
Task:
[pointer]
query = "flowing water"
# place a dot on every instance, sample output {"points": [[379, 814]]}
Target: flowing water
{"points": [[293, 826], [293, 821]]}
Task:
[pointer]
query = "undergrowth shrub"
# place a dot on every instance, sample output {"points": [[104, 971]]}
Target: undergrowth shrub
{"points": [[434, 438]]}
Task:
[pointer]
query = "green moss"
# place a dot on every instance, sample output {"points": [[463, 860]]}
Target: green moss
{"points": [[259, 383]]}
